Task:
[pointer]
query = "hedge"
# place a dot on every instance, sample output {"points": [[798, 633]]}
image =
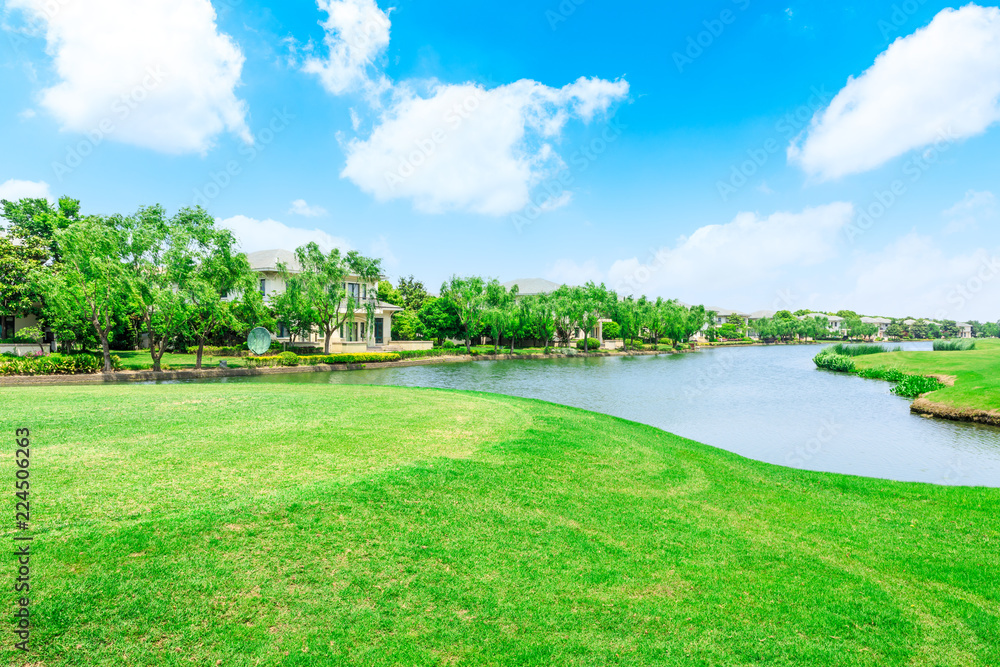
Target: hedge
{"points": [[55, 364], [592, 344], [834, 362], [291, 359]]}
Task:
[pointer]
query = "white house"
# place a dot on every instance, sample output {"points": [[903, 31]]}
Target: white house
{"points": [[880, 322], [353, 336], [964, 330]]}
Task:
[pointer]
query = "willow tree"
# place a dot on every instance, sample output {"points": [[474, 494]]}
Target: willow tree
{"points": [[322, 280], [468, 298], [539, 314], [500, 312]]}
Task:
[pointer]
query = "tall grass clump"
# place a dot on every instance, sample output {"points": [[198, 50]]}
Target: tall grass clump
{"points": [[862, 349], [832, 361], [957, 345], [913, 386]]}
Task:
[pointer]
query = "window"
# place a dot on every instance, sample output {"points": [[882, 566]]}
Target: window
{"points": [[284, 332], [354, 290], [263, 286], [6, 327]]}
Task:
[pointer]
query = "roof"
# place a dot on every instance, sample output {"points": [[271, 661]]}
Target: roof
{"points": [[268, 260], [725, 312], [761, 314], [830, 318], [875, 320], [530, 286]]}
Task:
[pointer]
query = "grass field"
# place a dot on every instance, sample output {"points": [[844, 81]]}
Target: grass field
{"points": [[976, 373], [334, 525]]}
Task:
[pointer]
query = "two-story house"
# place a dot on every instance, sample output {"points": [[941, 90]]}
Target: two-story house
{"points": [[355, 335]]}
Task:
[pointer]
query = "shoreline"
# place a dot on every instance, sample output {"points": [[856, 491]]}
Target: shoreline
{"points": [[926, 407], [121, 377]]}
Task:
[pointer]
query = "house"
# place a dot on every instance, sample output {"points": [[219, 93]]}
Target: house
{"points": [[10, 325], [964, 330], [353, 336], [723, 315], [880, 322], [834, 323]]}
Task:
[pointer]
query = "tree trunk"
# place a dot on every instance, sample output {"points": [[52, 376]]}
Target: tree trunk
{"points": [[326, 343], [512, 345], [106, 348], [201, 350], [468, 343]]}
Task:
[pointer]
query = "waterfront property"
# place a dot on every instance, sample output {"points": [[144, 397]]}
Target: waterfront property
{"points": [[538, 286], [353, 336]]}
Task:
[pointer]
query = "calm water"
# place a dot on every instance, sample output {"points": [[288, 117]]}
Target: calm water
{"points": [[766, 403]]}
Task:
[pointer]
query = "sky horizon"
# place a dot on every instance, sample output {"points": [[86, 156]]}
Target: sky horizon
{"points": [[741, 154]]}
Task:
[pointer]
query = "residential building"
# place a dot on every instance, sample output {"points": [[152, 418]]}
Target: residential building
{"points": [[355, 335], [964, 330]]}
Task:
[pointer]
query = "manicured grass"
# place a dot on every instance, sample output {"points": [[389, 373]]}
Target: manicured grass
{"points": [[976, 373], [346, 525], [137, 360]]}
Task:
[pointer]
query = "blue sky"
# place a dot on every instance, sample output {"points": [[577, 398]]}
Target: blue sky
{"points": [[715, 153]]}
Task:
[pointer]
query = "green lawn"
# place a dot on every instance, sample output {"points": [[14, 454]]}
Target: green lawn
{"points": [[976, 373], [257, 524]]}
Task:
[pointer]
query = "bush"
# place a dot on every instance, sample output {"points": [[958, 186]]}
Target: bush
{"points": [[958, 345], [861, 350], [612, 331], [55, 364], [883, 373], [592, 344], [913, 386], [448, 345], [832, 361], [288, 359]]}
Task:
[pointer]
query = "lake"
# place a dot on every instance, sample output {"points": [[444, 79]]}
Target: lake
{"points": [[765, 403]]}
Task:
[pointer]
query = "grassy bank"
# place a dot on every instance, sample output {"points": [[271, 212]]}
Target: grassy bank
{"points": [[976, 373], [331, 525]]}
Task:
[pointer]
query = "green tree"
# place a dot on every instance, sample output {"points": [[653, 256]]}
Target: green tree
{"points": [[412, 294], [439, 319], [389, 294], [220, 283], [406, 325], [920, 331], [468, 298], [949, 329], [540, 315], [323, 284], [91, 280], [499, 313]]}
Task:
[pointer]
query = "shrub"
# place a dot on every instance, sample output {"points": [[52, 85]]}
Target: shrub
{"points": [[861, 350], [612, 331], [832, 361], [913, 386], [54, 364], [592, 344], [883, 373], [288, 359], [957, 345], [448, 345]]}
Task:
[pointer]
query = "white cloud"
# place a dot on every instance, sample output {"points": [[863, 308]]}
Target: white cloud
{"points": [[267, 234], [13, 190], [966, 214], [357, 32], [941, 82], [151, 73], [27, 114], [719, 261], [914, 276], [466, 147], [300, 207]]}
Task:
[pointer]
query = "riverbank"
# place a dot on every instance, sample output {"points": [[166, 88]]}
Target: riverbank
{"points": [[188, 524], [972, 380], [146, 376]]}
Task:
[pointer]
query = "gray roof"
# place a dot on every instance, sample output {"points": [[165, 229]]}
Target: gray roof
{"points": [[267, 260], [761, 314], [529, 286]]}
